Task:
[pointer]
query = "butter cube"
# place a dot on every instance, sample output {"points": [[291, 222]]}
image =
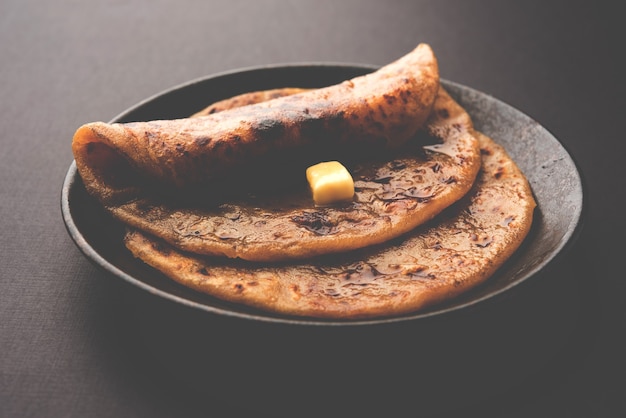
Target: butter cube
{"points": [[330, 182]]}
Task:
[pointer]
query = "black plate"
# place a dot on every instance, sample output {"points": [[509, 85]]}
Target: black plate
{"points": [[552, 173]]}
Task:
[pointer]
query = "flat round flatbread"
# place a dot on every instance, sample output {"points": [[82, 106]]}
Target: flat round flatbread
{"points": [[463, 247], [393, 195]]}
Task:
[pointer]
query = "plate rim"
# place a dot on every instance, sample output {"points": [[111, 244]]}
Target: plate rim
{"points": [[72, 176]]}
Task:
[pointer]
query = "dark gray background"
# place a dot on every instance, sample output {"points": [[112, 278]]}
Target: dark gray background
{"points": [[66, 348]]}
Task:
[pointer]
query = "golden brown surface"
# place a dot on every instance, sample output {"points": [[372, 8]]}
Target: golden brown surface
{"points": [[435, 262]]}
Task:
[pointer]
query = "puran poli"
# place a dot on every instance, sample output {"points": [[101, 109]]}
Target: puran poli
{"points": [[462, 248]]}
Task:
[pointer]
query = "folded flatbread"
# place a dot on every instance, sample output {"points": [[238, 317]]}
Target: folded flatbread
{"points": [[381, 109], [127, 166]]}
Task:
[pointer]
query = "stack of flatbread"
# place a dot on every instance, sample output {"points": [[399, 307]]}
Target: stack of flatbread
{"points": [[219, 201]]}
